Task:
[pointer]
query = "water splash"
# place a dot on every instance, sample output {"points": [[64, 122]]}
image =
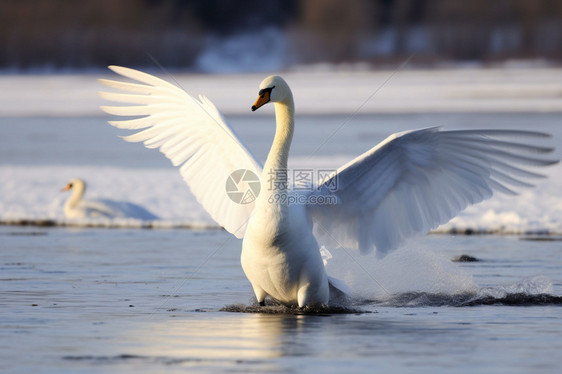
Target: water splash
{"points": [[527, 292], [537, 285], [403, 271]]}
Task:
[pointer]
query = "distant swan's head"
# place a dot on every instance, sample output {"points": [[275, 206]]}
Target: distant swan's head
{"points": [[75, 185], [273, 88]]}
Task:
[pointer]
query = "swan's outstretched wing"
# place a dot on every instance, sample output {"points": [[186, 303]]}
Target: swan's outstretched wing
{"points": [[193, 134], [414, 181]]}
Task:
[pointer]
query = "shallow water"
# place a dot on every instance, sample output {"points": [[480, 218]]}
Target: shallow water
{"points": [[119, 300]]}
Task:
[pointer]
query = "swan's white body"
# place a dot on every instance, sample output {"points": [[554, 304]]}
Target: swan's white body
{"points": [[405, 186], [76, 207], [281, 257]]}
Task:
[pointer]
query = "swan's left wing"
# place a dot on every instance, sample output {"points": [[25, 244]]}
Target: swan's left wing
{"points": [[414, 181], [194, 135]]}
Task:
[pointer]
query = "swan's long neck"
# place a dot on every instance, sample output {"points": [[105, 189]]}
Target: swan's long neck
{"points": [[274, 177], [78, 190]]}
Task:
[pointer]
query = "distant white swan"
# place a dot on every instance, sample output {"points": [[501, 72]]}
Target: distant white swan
{"points": [[76, 207], [408, 184]]}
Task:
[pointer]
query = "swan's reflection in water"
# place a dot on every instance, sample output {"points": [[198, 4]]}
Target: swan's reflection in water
{"points": [[224, 339], [245, 342]]}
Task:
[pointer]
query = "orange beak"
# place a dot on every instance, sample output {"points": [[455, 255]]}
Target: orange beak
{"points": [[262, 99], [67, 187]]}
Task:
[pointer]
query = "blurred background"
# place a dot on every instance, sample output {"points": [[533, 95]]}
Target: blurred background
{"points": [[223, 36]]}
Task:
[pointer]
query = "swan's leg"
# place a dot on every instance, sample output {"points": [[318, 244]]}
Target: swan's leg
{"points": [[303, 295], [260, 295], [310, 294]]}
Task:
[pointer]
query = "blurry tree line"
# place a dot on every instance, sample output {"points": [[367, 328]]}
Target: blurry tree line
{"points": [[91, 33]]}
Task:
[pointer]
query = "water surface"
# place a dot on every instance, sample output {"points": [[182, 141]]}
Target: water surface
{"points": [[119, 300]]}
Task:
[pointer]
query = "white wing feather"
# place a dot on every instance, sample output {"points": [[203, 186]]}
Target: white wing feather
{"points": [[192, 133], [414, 181]]}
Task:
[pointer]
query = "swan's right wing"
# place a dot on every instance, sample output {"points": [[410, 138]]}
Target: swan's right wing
{"points": [[194, 135]]}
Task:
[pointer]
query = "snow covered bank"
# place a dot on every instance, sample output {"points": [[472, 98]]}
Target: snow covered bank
{"points": [[31, 195]]}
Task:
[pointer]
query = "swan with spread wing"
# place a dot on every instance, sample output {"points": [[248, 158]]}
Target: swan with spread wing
{"points": [[408, 184]]}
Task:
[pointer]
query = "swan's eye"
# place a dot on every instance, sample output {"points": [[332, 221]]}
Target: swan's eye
{"points": [[263, 91]]}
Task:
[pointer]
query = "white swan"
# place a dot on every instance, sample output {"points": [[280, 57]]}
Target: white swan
{"points": [[405, 186], [76, 207]]}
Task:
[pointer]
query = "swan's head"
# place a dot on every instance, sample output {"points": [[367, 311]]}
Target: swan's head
{"points": [[273, 88], [75, 184]]}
